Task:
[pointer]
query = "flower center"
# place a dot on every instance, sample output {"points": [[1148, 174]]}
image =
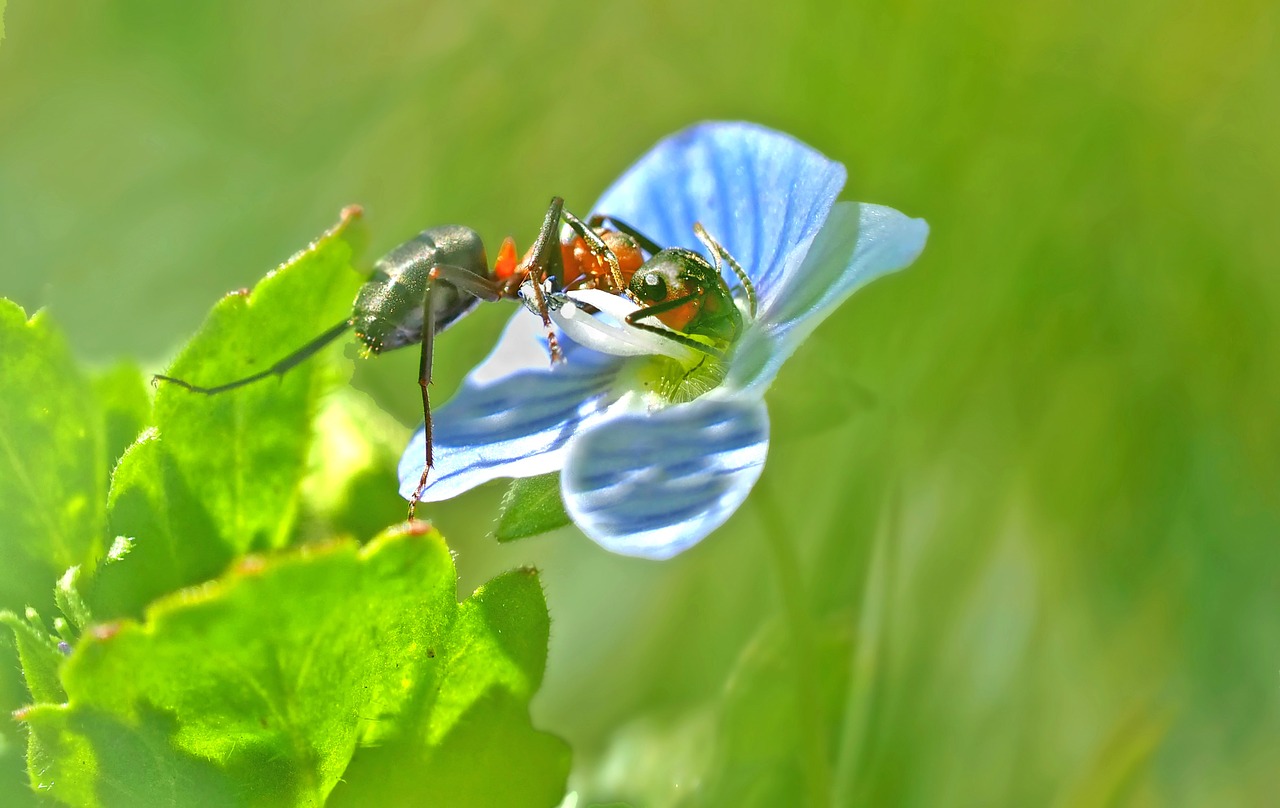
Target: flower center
{"points": [[657, 381]]}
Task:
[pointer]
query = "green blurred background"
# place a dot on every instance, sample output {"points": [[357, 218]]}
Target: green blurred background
{"points": [[1041, 568]]}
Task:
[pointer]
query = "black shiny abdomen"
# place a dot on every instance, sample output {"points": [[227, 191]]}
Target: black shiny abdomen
{"points": [[388, 309]]}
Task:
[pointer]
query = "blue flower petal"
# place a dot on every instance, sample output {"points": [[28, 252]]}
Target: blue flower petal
{"points": [[859, 243], [523, 346], [762, 194], [513, 414], [654, 484]]}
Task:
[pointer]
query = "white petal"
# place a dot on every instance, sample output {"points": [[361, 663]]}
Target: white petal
{"points": [[654, 484], [608, 331], [523, 346]]}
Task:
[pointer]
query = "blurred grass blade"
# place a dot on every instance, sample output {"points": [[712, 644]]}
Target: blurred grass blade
{"points": [[1120, 762], [868, 656]]}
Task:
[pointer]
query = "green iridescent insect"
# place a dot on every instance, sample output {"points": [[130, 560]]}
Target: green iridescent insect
{"points": [[689, 296]]}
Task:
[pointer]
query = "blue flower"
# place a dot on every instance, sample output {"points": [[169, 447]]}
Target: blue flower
{"points": [[641, 475]]}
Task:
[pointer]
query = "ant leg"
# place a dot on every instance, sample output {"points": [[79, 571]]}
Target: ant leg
{"points": [[547, 262], [278, 369], [718, 252], [467, 281], [424, 380], [647, 244], [599, 249], [675, 336]]}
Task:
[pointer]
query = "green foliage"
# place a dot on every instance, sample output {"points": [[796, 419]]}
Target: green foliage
{"points": [[126, 407], [197, 662], [257, 689], [488, 669], [352, 488], [1075, 387], [215, 476], [531, 506], [52, 479], [39, 655], [762, 761]]}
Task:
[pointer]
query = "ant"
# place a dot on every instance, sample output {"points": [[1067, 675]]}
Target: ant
{"points": [[428, 283]]}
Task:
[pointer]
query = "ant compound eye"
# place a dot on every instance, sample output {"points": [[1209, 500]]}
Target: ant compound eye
{"points": [[654, 288]]}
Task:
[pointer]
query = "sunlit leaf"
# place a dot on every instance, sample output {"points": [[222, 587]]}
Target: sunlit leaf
{"points": [[255, 689], [40, 658], [52, 481], [70, 602], [217, 475], [352, 487], [447, 752]]}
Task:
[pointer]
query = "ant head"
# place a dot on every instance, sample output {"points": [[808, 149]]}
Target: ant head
{"points": [[686, 293], [671, 274]]}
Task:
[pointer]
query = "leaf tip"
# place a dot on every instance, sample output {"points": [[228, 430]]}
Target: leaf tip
{"points": [[105, 631], [415, 527], [250, 565]]}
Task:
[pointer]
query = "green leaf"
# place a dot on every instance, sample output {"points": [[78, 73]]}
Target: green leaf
{"points": [[126, 407], [352, 488], [244, 451], [15, 788], [218, 475], [447, 754], [254, 689], [67, 595], [52, 480], [40, 658], [532, 506], [104, 760], [171, 540]]}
